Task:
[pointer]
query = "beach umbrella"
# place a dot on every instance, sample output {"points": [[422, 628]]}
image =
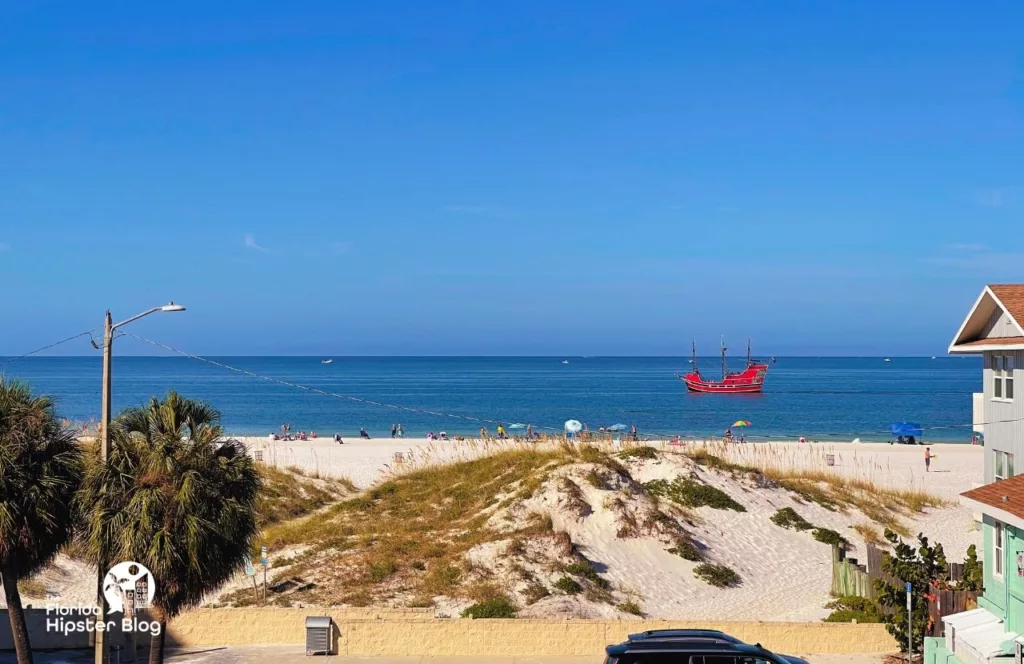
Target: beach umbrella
{"points": [[517, 425], [618, 427], [573, 426], [741, 423]]}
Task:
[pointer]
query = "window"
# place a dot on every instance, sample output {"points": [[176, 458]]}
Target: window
{"points": [[1002, 377], [1003, 465], [997, 550]]}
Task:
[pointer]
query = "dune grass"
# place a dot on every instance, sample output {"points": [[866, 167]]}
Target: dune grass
{"points": [[429, 517], [820, 485]]}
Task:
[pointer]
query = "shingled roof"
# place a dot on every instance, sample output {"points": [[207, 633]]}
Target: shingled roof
{"points": [[976, 334], [1003, 499]]}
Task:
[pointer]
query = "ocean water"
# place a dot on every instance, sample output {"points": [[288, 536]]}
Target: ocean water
{"points": [[824, 398]]}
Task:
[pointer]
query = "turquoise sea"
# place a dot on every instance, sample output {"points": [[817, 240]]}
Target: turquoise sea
{"points": [[828, 397]]}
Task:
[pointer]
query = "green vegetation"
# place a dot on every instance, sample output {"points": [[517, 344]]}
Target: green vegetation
{"points": [[829, 536], [692, 493], [535, 592], [494, 607], [687, 550], [882, 504], [583, 569], [289, 494], [169, 459], [848, 609], [639, 452], [919, 566], [719, 576], [973, 578], [632, 607], [787, 517], [433, 515], [40, 471], [568, 585]]}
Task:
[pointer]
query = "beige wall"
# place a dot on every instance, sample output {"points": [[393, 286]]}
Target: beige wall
{"points": [[418, 634], [368, 632]]}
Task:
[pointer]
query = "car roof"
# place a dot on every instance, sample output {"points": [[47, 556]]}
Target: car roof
{"points": [[698, 645], [683, 634]]}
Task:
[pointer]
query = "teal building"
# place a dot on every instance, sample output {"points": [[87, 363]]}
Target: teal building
{"points": [[994, 632]]}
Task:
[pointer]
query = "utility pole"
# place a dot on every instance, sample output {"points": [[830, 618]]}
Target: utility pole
{"points": [[102, 654]]}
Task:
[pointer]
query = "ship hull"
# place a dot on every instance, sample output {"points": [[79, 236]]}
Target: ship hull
{"points": [[748, 381]]}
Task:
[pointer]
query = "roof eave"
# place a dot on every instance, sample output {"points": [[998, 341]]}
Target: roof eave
{"points": [[981, 348], [997, 513]]}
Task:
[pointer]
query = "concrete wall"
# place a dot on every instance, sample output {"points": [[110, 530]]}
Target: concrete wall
{"points": [[370, 633]]}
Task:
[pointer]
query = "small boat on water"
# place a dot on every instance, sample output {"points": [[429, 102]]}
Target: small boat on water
{"points": [[748, 381], [888, 360], [565, 361], [326, 361]]}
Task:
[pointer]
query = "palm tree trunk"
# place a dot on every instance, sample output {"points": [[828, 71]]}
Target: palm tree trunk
{"points": [[156, 644], [19, 630]]}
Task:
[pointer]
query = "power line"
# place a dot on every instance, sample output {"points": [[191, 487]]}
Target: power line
{"points": [[316, 390], [482, 420], [47, 347]]}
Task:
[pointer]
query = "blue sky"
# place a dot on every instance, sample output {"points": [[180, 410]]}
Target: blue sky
{"points": [[509, 178]]}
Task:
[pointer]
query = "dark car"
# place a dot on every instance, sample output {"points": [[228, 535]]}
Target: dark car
{"points": [[690, 646]]}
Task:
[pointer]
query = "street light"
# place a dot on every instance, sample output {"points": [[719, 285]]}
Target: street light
{"points": [[109, 327]]}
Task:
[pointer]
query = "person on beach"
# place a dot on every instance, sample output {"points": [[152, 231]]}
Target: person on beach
{"points": [[401, 430], [501, 431], [483, 433], [363, 434], [927, 459], [529, 432], [337, 438], [394, 430]]}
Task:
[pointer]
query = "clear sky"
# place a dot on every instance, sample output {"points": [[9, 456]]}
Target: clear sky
{"points": [[526, 177]]}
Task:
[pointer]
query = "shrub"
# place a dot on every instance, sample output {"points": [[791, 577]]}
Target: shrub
{"points": [[920, 566], [568, 585], [687, 550], [829, 536], [719, 576], [494, 607], [442, 580], [848, 609], [583, 569], [640, 452], [973, 578], [631, 607], [381, 570], [693, 493], [596, 479], [535, 592], [787, 517]]}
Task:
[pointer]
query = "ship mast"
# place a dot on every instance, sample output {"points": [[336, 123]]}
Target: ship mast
{"points": [[725, 366], [694, 360], [748, 351]]}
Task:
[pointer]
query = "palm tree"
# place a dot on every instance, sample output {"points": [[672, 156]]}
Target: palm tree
{"points": [[176, 497], [40, 471]]}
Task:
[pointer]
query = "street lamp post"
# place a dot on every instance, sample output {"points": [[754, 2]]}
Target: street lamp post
{"points": [[101, 654]]}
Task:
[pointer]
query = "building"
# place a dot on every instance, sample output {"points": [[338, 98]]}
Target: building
{"points": [[994, 632]]}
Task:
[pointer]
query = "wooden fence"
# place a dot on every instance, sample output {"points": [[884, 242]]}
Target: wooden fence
{"points": [[851, 578]]}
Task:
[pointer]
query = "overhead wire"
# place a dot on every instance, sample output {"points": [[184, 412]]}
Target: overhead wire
{"points": [[470, 418], [46, 347]]}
